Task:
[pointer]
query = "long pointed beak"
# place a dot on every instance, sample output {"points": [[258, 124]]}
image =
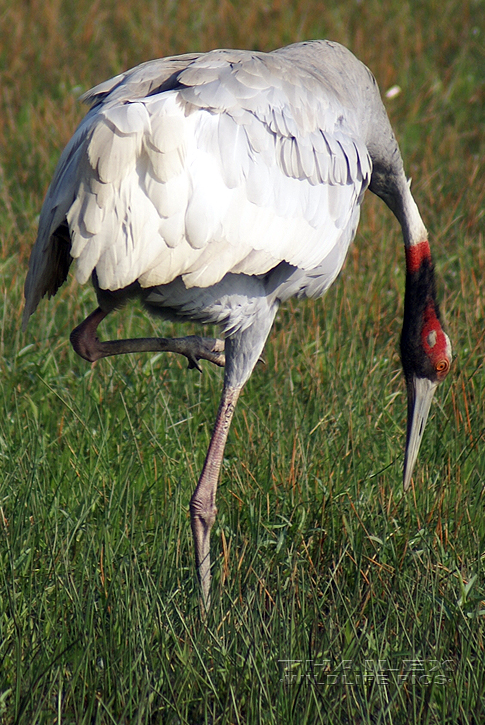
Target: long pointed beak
{"points": [[420, 395]]}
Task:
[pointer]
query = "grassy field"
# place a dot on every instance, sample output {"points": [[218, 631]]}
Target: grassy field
{"points": [[336, 599]]}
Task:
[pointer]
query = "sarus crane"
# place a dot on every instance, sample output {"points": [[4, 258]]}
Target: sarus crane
{"points": [[213, 187]]}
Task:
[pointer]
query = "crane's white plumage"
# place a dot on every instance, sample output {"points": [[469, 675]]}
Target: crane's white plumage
{"points": [[242, 163]]}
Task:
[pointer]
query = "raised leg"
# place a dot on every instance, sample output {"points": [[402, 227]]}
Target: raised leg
{"points": [[203, 502], [86, 343]]}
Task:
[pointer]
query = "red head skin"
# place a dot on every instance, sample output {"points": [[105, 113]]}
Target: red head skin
{"points": [[426, 349]]}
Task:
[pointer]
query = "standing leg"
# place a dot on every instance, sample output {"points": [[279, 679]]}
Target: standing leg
{"points": [[203, 502], [242, 353]]}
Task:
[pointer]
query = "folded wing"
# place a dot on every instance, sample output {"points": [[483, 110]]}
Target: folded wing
{"points": [[197, 166]]}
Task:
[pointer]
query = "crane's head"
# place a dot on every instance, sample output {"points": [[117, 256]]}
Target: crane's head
{"points": [[425, 348]]}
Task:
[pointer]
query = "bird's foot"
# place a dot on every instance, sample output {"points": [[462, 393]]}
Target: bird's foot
{"points": [[202, 516], [203, 348]]}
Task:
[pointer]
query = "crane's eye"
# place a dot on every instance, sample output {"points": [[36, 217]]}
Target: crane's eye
{"points": [[442, 367]]}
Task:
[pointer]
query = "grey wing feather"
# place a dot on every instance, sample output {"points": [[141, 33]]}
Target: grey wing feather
{"points": [[148, 78]]}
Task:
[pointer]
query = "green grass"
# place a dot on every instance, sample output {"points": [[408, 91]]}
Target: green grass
{"points": [[336, 599]]}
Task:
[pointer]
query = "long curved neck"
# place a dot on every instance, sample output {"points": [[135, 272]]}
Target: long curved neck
{"points": [[413, 229], [423, 342], [392, 187], [421, 310], [395, 190], [415, 235]]}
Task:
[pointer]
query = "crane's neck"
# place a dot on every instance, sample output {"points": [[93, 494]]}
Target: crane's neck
{"points": [[395, 190], [414, 232], [416, 243], [413, 228], [425, 347]]}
